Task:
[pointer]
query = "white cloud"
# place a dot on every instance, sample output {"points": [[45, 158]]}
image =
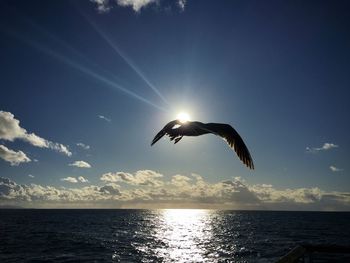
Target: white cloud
{"points": [[11, 130], [31, 176], [269, 194], [58, 147], [182, 4], [326, 146], [70, 179], [104, 118], [82, 179], [49, 196], [335, 169], [180, 181], [13, 157], [142, 177], [75, 180], [135, 4], [84, 146], [103, 6], [80, 164], [178, 191]]}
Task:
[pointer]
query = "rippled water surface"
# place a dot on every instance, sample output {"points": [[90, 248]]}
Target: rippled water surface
{"points": [[163, 235]]}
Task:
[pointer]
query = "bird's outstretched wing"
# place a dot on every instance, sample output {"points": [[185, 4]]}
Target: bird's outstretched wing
{"points": [[231, 136], [164, 131]]}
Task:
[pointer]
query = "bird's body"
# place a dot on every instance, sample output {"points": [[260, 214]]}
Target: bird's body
{"points": [[176, 130]]}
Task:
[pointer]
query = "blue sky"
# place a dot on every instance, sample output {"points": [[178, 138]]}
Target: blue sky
{"points": [[277, 71]]}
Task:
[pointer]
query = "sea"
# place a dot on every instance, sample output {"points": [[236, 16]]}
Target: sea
{"points": [[169, 235]]}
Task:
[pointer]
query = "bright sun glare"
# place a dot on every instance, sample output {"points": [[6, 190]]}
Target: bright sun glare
{"points": [[183, 117]]}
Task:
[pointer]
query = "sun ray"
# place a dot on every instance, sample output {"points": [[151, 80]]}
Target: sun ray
{"points": [[125, 58], [78, 66]]}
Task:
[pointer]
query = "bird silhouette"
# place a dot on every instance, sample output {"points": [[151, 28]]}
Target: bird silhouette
{"points": [[177, 129]]}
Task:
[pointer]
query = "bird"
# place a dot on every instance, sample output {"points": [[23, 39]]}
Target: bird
{"points": [[176, 129]]}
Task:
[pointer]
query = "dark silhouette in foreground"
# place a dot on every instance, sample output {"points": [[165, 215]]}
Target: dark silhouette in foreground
{"points": [[176, 130]]}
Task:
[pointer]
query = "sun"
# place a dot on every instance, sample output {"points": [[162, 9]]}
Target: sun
{"points": [[183, 117]]}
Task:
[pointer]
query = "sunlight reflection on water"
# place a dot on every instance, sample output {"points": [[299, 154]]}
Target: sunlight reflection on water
{"points": [[184, 233]]}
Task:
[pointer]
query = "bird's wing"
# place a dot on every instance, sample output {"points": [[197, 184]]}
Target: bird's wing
{"points": [[163, 131], [235, 141]]}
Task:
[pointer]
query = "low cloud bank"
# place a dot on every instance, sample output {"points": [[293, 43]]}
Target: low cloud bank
{"points": [[149, 189]]}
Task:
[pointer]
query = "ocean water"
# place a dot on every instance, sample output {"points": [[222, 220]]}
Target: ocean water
{"points": [[31, 235]]}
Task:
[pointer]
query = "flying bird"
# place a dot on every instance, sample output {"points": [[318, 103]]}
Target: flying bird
{"points": [[176, 129]]}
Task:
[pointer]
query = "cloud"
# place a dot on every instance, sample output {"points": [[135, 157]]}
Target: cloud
{"points": [[269, 194], [80, 164], [70, 179], [13, 157], [11, 130], [104, 118], [110, 189], [143, 178], [82, 179], [104, 6], [182, 181], [182, 4], [177, 191], [31, 176], [75, 180], [335, 169], [58, 147], [135, 4], [49, 196], [84, 146], [325, 147], [328, 146]]}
